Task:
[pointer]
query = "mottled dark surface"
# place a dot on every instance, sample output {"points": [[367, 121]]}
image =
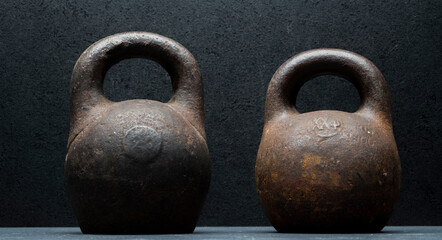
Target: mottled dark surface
{"points": [[238, 45]]}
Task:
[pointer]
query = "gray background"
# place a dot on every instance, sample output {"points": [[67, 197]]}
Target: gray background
{"points": [[239, 45]]}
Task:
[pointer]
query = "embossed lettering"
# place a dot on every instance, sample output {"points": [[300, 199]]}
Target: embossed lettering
{"points": [[325, 128]]}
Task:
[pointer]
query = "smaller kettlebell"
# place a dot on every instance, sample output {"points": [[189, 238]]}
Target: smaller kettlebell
{"points": [[137, 166], [328, 171]]}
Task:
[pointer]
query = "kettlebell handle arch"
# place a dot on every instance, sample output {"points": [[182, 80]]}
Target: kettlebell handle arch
{"points": [[295, 72], [88, 75]]}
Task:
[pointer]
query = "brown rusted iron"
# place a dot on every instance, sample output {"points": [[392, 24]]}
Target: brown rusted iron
{"points": [[137, 166], [328, 171]]}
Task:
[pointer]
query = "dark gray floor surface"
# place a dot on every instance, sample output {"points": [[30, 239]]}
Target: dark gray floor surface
{"points": [[212, 233]]}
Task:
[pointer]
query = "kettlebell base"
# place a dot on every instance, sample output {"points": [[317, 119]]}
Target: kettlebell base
{"points": [[136, 230], [343, 229]]}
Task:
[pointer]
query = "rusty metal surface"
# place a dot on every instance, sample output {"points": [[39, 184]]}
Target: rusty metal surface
{"points": [[328, 171], [137, 166]]}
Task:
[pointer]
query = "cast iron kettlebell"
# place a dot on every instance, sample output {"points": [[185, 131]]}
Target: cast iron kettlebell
{"points": [[328, 171], [137, 166]]}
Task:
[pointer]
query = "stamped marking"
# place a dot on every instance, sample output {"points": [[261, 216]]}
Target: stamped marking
{"points": [[142, 143], [325, 127]]}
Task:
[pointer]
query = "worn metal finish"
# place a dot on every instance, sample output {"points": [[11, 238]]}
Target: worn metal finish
{"points": [[328, 171], [137, 166]]}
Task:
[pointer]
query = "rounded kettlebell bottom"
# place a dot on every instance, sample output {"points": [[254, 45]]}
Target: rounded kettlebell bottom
{"points": [[141, 168]]}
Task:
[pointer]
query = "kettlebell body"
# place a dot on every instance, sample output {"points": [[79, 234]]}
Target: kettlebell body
{"points": [[328, 171], [137, 166]]}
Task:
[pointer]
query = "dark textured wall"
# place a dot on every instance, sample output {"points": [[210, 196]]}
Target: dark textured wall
{"points": [[238, 45]]}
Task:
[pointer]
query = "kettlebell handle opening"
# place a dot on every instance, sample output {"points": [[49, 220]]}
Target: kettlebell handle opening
{"points": [[88, 75], [295, 72]]}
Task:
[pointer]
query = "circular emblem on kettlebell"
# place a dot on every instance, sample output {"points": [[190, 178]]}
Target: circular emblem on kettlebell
{"points": [[326, 127], [142, 143]]}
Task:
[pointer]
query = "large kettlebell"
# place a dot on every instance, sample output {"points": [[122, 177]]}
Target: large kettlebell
{"points": [[137, 166], [328, 171]]}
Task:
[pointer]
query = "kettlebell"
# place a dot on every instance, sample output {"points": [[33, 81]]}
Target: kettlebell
{"points": [[328, 171], [137, 166]]}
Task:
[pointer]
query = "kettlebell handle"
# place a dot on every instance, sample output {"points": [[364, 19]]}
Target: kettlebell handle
{"points": [[291, 76], [88, 75]]}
